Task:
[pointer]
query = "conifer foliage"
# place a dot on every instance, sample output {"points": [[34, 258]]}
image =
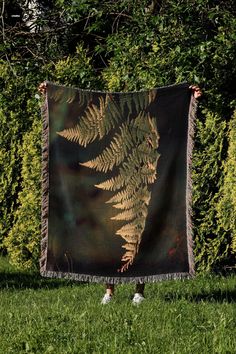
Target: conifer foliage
{"points": [[132, 151], [226, 207]]}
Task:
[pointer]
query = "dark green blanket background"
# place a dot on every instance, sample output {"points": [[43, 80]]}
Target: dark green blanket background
{"points": [[81, 236]]}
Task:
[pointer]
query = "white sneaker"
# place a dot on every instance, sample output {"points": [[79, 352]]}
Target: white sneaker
{"points": [[106, 299], [137, 299]]}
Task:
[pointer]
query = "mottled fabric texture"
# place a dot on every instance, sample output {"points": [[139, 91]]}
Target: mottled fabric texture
{"points": [[116, 184]]}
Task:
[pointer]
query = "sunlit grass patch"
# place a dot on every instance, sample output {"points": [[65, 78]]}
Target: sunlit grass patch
{"points": [[53, 316]]}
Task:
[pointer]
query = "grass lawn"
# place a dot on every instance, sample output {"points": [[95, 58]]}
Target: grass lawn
{"points": [[55, 316]]}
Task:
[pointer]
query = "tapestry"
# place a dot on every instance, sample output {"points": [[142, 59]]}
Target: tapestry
{"points": [[116, 184]]}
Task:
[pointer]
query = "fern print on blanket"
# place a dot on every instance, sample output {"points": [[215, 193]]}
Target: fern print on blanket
{"points": [[117, 185]]}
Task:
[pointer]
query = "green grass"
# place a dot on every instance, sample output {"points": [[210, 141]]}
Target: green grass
{"points": [[53, 316]]}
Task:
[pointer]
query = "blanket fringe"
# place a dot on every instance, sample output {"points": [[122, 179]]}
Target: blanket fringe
{"points": [[116, 280], [189, 187], [45, 186]]}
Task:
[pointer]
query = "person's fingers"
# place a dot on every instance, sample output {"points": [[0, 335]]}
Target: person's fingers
{"points": [[42, 87], [196, 91]]}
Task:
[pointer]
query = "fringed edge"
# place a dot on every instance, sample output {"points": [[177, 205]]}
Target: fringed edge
{"points": [[189, 187], [45, 185], [116, 280]]}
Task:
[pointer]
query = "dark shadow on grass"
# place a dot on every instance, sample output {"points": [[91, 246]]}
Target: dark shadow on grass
{"points": [[20, 280], [219, 296]]}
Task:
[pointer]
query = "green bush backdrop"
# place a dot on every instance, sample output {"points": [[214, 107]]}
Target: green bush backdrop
{"points": [[119, 45]]}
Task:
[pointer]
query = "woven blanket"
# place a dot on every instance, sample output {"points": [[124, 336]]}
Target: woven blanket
{"points": [[116, 202]]}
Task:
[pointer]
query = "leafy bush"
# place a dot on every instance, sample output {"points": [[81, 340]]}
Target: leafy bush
{"points": [[210, 246], [23, 239], [226, 208], [18, 105]]}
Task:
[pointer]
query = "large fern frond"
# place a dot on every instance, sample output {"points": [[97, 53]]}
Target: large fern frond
{"points": [[132, 151]]}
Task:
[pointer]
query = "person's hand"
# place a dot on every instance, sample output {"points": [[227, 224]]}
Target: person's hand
{"points": [[42, 88], [196, 91]]}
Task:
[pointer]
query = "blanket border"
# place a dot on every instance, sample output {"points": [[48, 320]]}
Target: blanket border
{"points": [[189, 184], [45, 206], [45, 185]]}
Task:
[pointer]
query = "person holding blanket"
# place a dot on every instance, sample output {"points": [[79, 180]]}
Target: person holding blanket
{"points": [[139, 290]]}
